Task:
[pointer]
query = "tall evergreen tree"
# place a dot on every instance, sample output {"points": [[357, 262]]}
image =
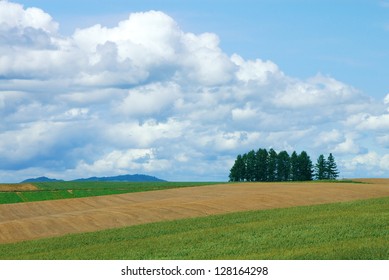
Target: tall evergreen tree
{"points": [[294, 167], [244, 167], [272, 166], [321, 168], [305, 167], [237, 171], [261, 165], [283, 166], [250, 166], [332, 169]]}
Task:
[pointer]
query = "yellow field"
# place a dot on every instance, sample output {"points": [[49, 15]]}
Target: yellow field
{"points": [[17, 187], [33, 220]]}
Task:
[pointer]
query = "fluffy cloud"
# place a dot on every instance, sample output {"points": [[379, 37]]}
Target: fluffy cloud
{"points": [[377, 164], [14, 16], [149, 100], [145, 96], [144, 160]]}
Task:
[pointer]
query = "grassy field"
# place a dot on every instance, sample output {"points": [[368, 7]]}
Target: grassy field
{"points": [[63, 190], [347, 230]]}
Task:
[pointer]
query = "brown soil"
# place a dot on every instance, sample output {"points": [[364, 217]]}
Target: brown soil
{"points": [[25, 221], [17, 187]]}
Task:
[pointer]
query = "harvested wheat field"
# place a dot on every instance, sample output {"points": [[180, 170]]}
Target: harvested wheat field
{"points": [[17, 187], [34, 220]]}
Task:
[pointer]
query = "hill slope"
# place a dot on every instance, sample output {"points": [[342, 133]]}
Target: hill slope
{"points": [[120, 178]]}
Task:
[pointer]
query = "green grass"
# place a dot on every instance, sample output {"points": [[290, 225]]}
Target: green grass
{"points": [[62, 190], [9, 197], [351, 230]]}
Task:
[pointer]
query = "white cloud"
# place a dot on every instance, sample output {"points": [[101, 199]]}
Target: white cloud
{"points": [[246, 114], [258, 70], [13, 15], [348, 146], [120, 161], [370, 161], [146, 96], [28, 141], [367, 121], [315, 92], [142, 135], [328, 137], [150, 99], [200, 51]]}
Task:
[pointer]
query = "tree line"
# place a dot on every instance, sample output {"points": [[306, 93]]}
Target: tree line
{"points": [[270, 166]]}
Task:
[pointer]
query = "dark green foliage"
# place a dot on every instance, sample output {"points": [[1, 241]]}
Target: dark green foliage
{"points": [[272, 166], [326, 169], [261, 165], [305, 167], [269, 166], [294, 167], [250, 166], [283, 166], [332, 169], [320, 168], [238, 171], [349, 230]]}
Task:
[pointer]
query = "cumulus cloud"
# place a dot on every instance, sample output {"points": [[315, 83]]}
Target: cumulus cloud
{"points": [[257, 71], [372, 161], [146, 96], [14, 16], [149, 100], [143, 160]]}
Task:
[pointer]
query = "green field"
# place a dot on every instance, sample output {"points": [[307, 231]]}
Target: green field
{"points": [[62, 190], [349, 230]]}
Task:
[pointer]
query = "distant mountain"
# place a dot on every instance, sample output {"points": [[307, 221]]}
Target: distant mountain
{"points": [[41, 180], [120, 178]]}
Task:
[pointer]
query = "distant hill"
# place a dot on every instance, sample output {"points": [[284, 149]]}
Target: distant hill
{"points": [[120, 178], [40, 180]]}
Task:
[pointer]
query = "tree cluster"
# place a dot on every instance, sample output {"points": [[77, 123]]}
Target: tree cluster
{"points": [[270, 166], [326, 169]]}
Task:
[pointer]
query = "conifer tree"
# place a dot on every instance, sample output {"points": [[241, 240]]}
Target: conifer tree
{"points": [[332, 169], [250, 166], [321, 168], [283, 166], [261, 157], [237, 171], [272, 166], [305, 167], [244, 168], [294, 167]]}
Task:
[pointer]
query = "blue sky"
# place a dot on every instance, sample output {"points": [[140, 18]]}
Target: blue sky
{"points": [[91, 88]]}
